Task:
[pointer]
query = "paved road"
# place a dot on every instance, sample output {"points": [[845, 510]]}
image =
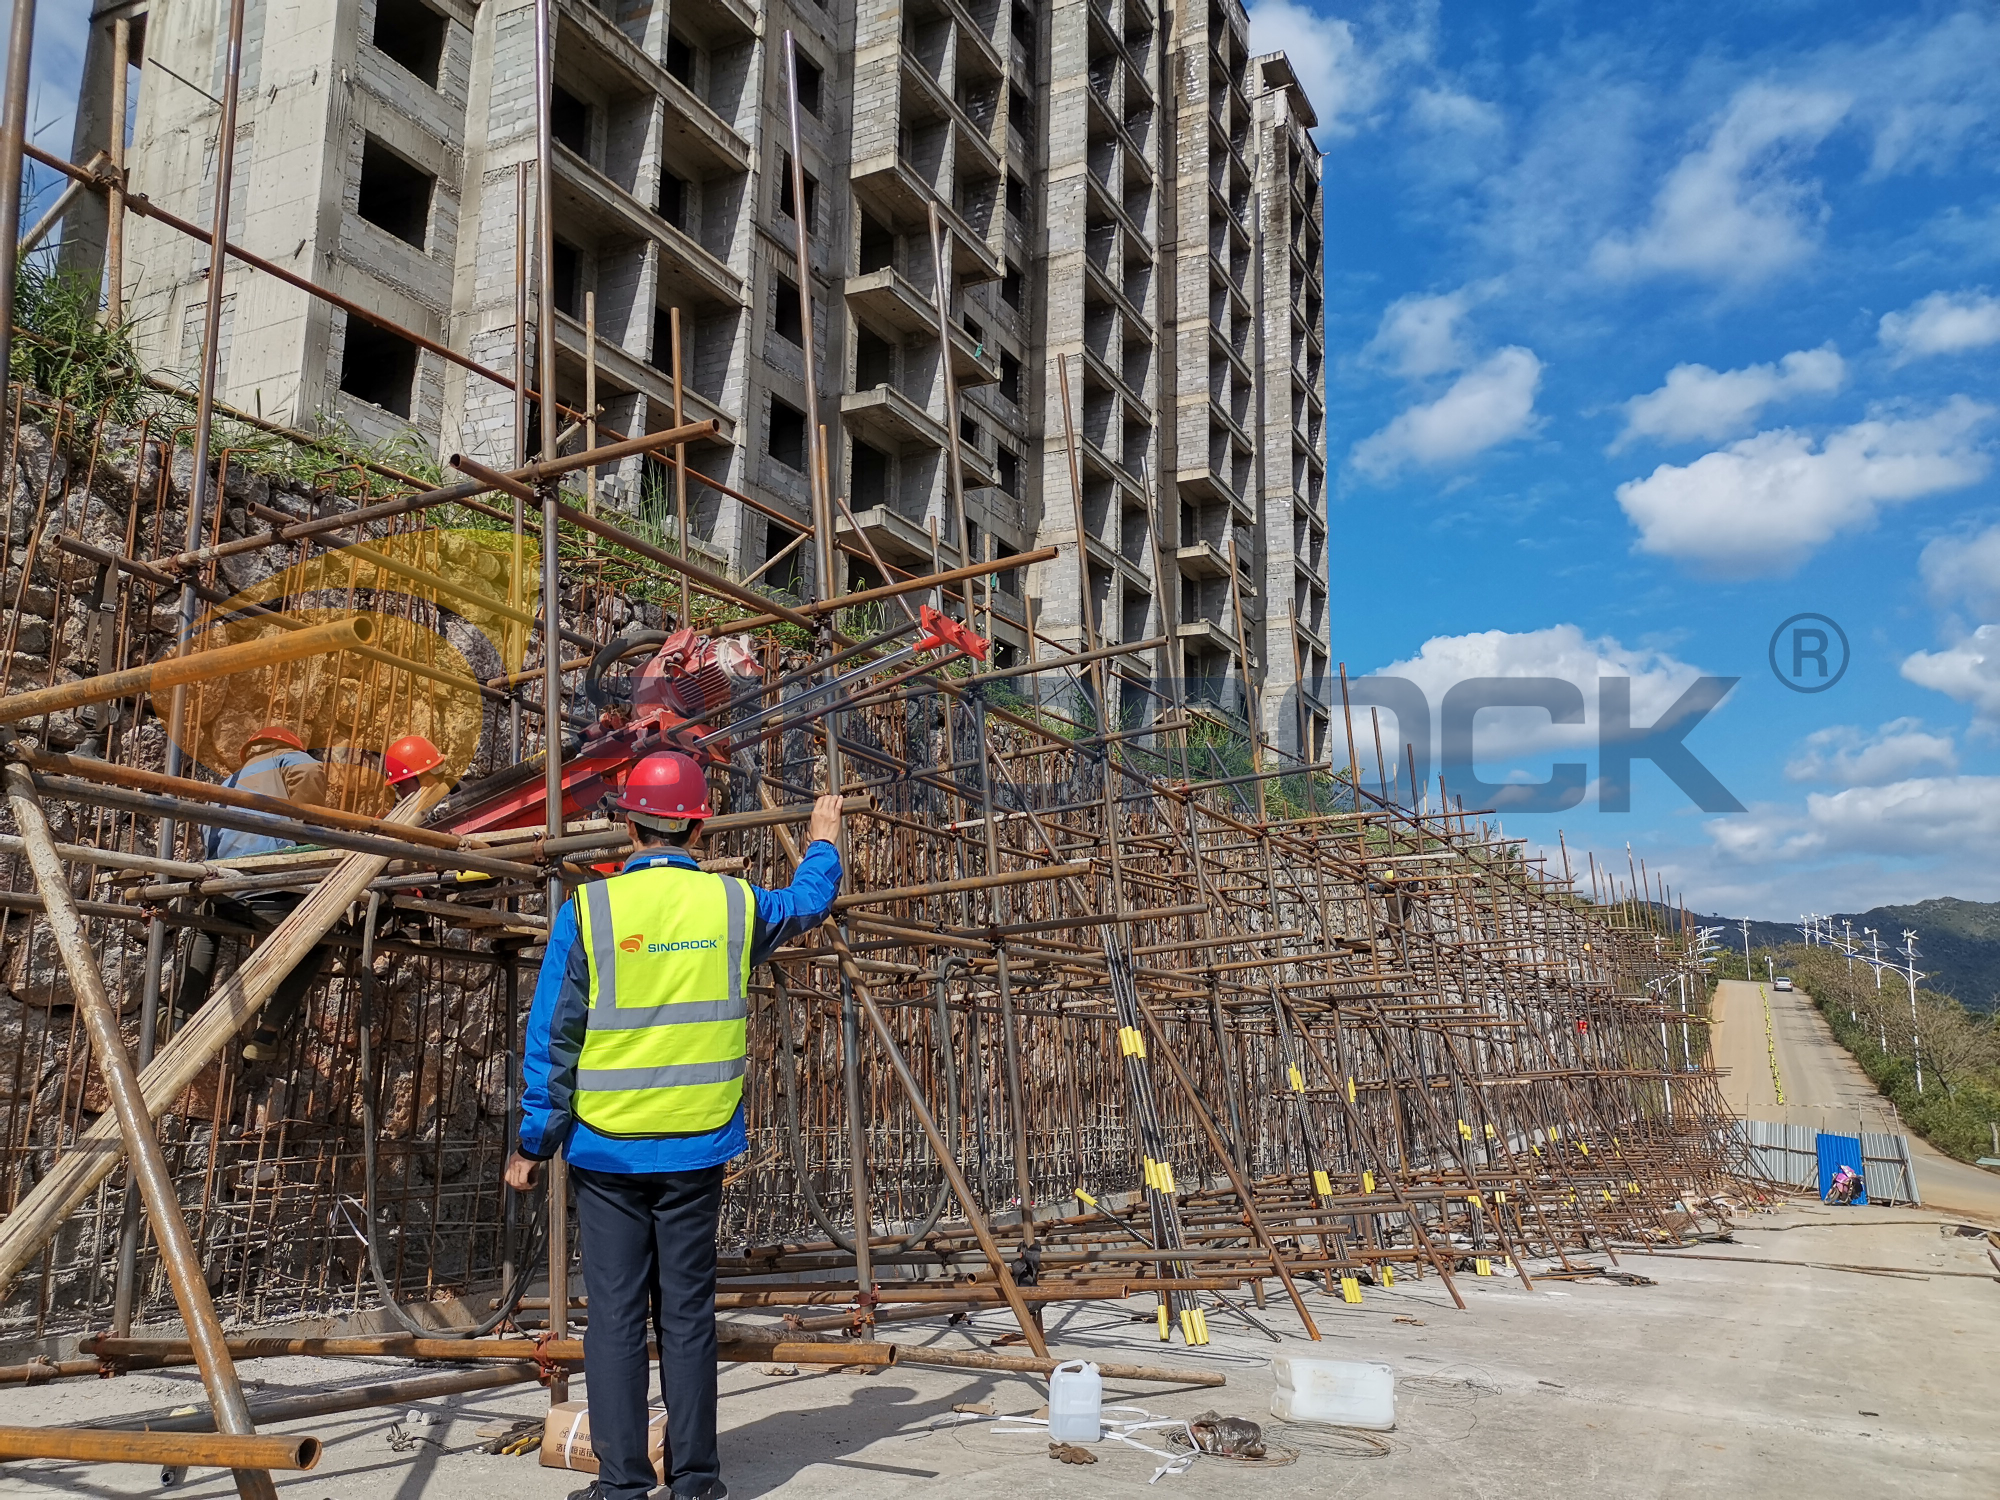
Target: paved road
{"points": [[1825, 1088]]}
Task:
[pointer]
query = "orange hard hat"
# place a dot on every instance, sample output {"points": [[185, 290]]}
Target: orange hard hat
{"points": [[276, 734], [666, 786], [410, 756]]}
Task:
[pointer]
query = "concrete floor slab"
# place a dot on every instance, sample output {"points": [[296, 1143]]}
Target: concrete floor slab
{"points": [[1725, 1378]]}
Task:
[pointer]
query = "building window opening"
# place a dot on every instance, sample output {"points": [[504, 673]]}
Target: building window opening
{"points": [[785, 310], [680, 60], [569, 120], [878, 244], [410, 34], [785, 202], [673, 200], [869, 476], [379, 367], [874, 360], [785, 439], [566, 268], [395, 195], [809, 84]]}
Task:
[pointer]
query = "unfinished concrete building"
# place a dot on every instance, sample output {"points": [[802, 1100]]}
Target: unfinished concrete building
{"points": [[1121, 190]]}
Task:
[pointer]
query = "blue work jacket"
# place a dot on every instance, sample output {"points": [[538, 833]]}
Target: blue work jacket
{"points": [[557, 1019]]}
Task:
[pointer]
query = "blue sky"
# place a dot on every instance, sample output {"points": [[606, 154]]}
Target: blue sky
{"points": [[1648, 328]]}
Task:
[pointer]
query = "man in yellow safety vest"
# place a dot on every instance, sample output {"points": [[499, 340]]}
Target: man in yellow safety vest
{"points": [[633, 1068]]}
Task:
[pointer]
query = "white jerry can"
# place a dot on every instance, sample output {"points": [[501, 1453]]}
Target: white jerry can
{"points": [[1076, 1403], [1338, 1392]]}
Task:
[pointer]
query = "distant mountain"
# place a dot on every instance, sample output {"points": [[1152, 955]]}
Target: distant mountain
{"points": [[1958, 942]]}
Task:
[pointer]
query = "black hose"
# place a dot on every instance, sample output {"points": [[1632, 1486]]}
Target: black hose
{"points": [[841, 1238], [510, 1297]]}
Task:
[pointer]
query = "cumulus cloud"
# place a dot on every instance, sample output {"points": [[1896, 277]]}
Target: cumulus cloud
{"points": [[1345, 77], [1422, 335], [1487, 405], [1697, 402], [1942, 323], [1854, 757], [1763, 505], [1968, 670], [1560, 651], [1727, 211], [1924, 815], [1965, 570]]}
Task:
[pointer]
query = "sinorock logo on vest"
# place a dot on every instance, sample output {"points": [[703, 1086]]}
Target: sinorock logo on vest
{"points": [[637, 943]]}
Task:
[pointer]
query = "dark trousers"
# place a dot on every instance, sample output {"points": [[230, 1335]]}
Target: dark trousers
{"points": [[649, 1267], [205, 953]]}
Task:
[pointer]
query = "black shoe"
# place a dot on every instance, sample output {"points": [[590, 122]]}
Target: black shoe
{"points": [[716, 1490]]}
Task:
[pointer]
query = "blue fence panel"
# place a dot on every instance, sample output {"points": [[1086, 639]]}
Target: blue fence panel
{"points": [[1839, 1151]]}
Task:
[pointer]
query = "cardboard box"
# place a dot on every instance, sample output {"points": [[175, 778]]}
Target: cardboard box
{"points": [[566, 1439]]}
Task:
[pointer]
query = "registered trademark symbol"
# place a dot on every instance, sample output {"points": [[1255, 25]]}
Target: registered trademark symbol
{"points": [[1809, 653]]}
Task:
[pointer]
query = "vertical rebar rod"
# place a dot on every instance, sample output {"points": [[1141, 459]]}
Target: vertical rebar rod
{"points": [[590, 405], [516, 581], [552, 717], [680, 464], [822, 497], [114, 234], [955, 467], [13, 137]]}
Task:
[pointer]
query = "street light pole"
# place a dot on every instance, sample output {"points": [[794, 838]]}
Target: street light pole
{"points": [[1910, 974]]}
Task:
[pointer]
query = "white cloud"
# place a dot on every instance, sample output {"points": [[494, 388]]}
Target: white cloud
{"points": [[1968, 670], [1965, 570], [1490, 403], [1926, 815], [1448, 110], [1847, 754], [1727, 211], [1421, 336], [1763, 505], [1344, 79], [1697, 402], [1942, 323], [1561, 651]]}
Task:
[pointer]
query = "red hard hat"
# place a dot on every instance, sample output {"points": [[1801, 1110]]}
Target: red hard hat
{"points": [[666, 785], [410, 756], [276, 733]]}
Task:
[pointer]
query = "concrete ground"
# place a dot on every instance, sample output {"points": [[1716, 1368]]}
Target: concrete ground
{"points": [[1725, 1379], [1826, 1089]]}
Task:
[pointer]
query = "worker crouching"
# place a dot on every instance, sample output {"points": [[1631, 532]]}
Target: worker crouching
{"points": [[633, 1068]]}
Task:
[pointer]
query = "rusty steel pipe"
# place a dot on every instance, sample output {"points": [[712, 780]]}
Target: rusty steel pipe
{"points": [[180, 671], [138, 779], [358, 1397], [160, 1449], [150, 1173], [966, 883]]}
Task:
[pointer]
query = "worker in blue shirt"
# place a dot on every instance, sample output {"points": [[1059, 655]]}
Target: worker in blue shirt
{"points": [[274, 763], [633, 1068]]}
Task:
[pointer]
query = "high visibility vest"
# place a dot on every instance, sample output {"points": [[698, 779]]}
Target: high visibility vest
{"points": [[667, 1038]]}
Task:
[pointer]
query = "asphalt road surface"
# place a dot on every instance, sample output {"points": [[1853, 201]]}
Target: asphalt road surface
{"points": [[1825, 1088]]}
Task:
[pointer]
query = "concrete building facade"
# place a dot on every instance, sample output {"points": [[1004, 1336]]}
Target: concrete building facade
{"points": [[1122, 193]]}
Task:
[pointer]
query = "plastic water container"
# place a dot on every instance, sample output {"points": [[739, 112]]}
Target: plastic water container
{"points": [[1338, 1392], [1076, 1403]]}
